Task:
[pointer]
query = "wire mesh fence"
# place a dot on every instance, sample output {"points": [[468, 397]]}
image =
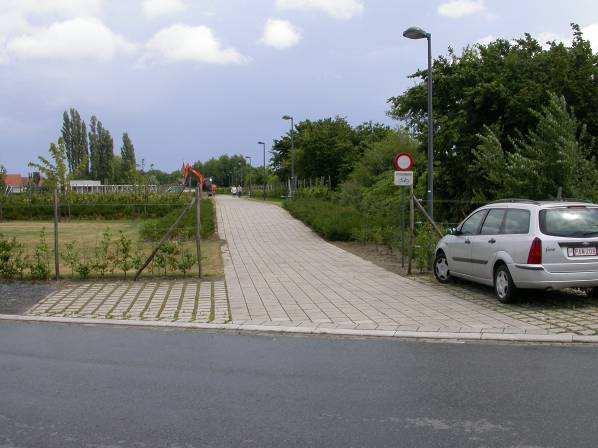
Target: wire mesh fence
{"points": [[100, 235]]}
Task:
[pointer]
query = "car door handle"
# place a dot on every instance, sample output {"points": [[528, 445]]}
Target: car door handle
{"points": [[492, 241]]}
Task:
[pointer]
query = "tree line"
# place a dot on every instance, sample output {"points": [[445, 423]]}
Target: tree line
{"points": [[79, 154], [512, 119]]}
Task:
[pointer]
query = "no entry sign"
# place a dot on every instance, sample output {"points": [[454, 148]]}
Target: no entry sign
{"points": [[403, 161]]}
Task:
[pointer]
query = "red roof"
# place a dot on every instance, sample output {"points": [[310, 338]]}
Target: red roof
{"points": [[15, 180]]}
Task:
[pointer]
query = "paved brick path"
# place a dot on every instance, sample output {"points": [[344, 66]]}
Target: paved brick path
{"points": [[278, 272], [160, 300]]}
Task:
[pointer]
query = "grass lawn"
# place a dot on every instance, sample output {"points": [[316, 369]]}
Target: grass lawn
{"points": [[87, 235]]}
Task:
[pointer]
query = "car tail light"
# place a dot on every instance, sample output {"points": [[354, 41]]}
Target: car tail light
{"points": [[535, 252]]}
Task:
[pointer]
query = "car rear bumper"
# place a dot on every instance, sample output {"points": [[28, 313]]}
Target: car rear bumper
{"points": [[536, 277]]}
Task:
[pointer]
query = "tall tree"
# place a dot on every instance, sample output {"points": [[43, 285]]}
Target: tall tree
{"points": [[127, 153], [74, 135], [101, 148]]}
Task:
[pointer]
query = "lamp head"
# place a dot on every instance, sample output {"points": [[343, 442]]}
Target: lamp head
{"points": [[415, 32], [287, 117]]}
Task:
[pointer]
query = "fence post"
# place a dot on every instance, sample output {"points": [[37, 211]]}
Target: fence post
{"points": [[198, 192], [411, 230], [402, 233], [56, 217]]}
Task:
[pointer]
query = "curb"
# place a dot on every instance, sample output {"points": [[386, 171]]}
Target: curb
{"points": [[547, 338]]}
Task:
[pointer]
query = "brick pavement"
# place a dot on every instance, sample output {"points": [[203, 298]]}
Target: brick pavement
{"points": [[158, 300], [279, 272]]}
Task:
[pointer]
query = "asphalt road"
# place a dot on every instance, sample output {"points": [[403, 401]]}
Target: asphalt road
{"points": [[82, 386]]}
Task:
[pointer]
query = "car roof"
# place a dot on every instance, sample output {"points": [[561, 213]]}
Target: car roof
{"points": [[554, 203]]}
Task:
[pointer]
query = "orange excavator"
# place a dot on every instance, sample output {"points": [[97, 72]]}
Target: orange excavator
{"points": [[206, 185]]}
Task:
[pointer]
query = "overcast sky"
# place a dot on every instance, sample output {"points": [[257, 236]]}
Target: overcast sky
{"points": [[191, 79]]}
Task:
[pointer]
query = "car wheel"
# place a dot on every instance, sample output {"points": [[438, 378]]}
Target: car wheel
{"points": [[504, 288], [441, 268]]}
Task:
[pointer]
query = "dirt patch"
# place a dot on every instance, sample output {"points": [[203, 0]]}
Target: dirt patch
{"points": [[18, 297]]}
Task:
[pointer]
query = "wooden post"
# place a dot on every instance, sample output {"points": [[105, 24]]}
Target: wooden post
{"points": [[165, 237], [425, 213], [198, 191], [56, 254], [411, 230]]}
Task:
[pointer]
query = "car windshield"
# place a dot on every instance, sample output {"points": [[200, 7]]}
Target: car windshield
{"points": [[577, 222]]}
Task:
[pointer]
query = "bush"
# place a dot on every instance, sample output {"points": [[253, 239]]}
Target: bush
{"points": [[154, 229], [39, 206], [329, 219]]}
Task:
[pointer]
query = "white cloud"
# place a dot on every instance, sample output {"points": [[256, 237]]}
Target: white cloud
{"points": [[280, 34], [157, 8], [590, 33], [338, 9], [486, 39], [456, 9], [73, 39], [61, 8], [187, 43]]}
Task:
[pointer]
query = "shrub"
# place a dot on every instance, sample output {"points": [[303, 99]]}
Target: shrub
{"points": [[40, 266], [12, 259], [329, 219], [154, 229]]}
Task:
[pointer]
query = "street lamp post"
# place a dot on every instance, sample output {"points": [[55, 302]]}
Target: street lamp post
{"points": [[264, 180], [249, 175], [292, 187], [418, 33]]}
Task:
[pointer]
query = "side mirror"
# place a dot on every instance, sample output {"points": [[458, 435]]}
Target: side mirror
{"points": [[454, 231]]}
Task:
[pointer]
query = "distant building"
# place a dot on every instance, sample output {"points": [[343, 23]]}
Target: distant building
{"points": [[15, 183]]}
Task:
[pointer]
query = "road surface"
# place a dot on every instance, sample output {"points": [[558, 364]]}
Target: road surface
{"points": [[69, 386]]}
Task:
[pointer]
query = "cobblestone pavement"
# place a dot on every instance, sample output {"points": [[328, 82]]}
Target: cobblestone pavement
{"points": [[279, 272], [160, 300]]}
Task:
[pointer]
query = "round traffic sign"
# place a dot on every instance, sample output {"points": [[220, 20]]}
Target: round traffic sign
{"points": [[403, 161]]}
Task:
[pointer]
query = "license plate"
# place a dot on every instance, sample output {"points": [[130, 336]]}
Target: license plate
{"points": [[581, 251]]}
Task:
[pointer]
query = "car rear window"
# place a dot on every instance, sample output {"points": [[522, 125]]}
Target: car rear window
{"points": [[517, 222], [575, 222]]}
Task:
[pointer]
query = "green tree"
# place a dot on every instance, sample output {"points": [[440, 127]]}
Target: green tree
{"points": [[127, 153], [498, 85], [101, 148], [2, 176], [74, 134], [54, 169], [549, 157]]}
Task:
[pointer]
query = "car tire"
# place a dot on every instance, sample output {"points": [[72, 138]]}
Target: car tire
{"points": [[504, 288], [441, 269]]}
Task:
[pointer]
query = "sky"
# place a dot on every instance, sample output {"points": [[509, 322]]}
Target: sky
{"points": [[193, 79]]}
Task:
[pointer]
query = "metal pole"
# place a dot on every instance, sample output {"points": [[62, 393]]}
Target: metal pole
{"points": [[430, 133], [56, 254], [411, 230], [264, 186], [198, 191], [292, 156]]}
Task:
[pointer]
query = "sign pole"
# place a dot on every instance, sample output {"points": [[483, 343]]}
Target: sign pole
{"points": [[411, 229]]}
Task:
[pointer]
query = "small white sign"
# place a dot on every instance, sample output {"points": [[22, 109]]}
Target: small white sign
{"points": [[404, 178]]}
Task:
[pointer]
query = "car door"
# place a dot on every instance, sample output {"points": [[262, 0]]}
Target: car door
{"points": [[459, 245], [486, 243]]}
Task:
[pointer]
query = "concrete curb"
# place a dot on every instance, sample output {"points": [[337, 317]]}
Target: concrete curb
{"points": [[549, 338]]}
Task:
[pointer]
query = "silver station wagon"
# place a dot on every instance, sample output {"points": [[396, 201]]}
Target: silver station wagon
{"points": [[517, 243]]}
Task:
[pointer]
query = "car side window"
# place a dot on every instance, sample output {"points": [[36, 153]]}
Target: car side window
{"points": [[517, 222], [493, 222], [472, 224]]}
